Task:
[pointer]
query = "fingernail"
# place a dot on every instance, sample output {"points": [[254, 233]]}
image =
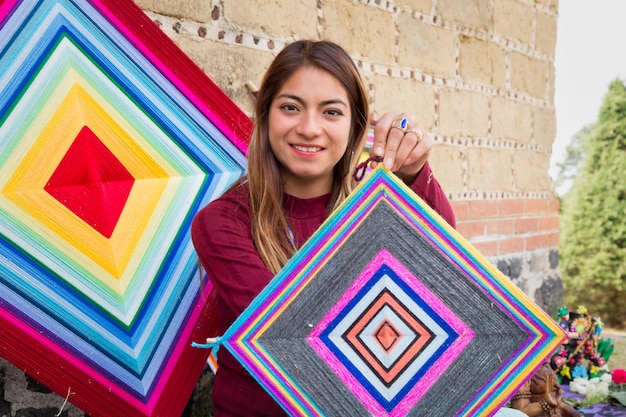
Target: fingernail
{"points": [[378, 151], [389, 162]]}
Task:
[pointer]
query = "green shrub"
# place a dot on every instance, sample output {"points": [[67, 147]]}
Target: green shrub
{"points": [[592, 245]]}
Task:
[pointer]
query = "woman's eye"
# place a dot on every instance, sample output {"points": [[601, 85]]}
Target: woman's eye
{"points": [[289, 107], [333, 112]]}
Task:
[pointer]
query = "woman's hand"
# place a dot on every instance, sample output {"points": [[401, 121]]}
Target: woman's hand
{"points": [[402, 144]]}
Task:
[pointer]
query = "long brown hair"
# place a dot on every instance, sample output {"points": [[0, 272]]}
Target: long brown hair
{"points": [[270, 229]]}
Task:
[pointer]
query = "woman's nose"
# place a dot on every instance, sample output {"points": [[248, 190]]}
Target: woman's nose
{"points": [[309, 125]]}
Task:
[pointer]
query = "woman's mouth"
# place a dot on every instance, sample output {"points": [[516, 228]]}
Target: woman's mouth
{"points": [[308, 149]]}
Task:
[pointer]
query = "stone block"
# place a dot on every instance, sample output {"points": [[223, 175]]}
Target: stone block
{"points": [[511, 120], [551, 74], [482, 62], [422, 6], [463, 113], [475, 14], [511, 267], [513, 19], [489, 169], [530, 171], [549, 296], [544, 121], [530, 75], [545, 38], [197, 10], [364, 30], [30, 399], [405, 95], [230, 67], [145, 5], [426, 47], [550, 4], [447, 164], [296, 19]]}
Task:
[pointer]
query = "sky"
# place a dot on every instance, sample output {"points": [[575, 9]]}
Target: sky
{"points": [[590, 53]]}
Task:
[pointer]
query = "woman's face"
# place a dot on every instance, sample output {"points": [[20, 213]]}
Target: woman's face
{"points": [[309, 129]]}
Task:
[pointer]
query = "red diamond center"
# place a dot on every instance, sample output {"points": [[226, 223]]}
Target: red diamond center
{"points": [[91, 182]]}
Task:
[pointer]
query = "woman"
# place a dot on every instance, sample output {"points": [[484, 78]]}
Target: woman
{"points": [[311, 123]]}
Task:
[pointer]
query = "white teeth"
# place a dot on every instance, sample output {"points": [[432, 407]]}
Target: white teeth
{"points": [[307, 148]]}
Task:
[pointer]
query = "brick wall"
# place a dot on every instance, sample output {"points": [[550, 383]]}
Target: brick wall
{"points": [[501, 227], [477, 74]]}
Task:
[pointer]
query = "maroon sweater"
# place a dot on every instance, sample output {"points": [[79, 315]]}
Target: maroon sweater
{"points": [[222, 237]]}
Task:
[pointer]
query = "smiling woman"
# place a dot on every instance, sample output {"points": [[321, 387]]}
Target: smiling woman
{"points": [[311, 121]]}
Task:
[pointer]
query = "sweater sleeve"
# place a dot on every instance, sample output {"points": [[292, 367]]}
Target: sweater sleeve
{"points": [[428, 188]]}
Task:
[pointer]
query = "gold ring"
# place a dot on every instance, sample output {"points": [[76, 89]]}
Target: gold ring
{"points": [[401, 124], [418, 133]]}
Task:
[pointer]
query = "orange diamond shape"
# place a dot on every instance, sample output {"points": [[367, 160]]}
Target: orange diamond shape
{"points": [[422, 336], [387, 335]]}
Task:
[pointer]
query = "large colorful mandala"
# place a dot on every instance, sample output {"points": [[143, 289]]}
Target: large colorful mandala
{"points": [[388, 311], [111, 139]]}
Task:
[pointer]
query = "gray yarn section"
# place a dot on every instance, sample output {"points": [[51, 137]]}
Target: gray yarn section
{"points": [[497, 336]]}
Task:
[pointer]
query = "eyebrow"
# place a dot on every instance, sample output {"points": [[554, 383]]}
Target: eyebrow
{"points": [[323, 103]]}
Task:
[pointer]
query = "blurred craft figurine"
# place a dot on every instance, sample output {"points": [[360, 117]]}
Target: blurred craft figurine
{"points": [[540, 396], [311, 121], [585, 353]]}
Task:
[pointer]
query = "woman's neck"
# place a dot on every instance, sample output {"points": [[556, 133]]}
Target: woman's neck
{"points": [[307, 189]]}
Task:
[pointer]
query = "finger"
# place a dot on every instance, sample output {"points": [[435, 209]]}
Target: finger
{"points": [[381, 130], [418, 153], [413, 135], [394, 140], [389, 137], [418, 157], [407, 145], [397, 151]]}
